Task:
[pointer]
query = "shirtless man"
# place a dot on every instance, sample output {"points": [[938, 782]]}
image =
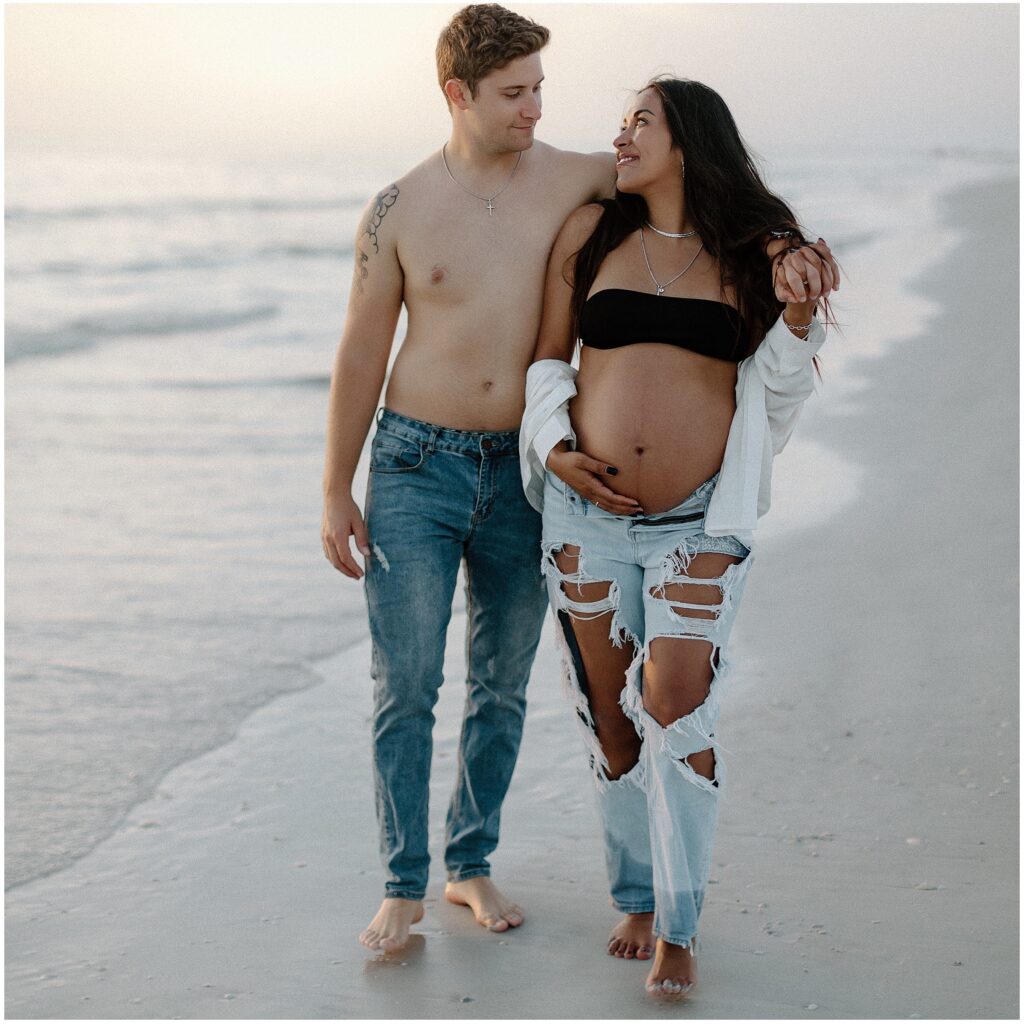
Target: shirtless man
{"points": [[463, 240]]}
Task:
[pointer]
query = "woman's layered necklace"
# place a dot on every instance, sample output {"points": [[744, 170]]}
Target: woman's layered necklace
{"points": [[643, 248]]}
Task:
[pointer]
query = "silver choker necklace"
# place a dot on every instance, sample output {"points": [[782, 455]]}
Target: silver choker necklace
{"points": [[487, 200], [670, 234]]}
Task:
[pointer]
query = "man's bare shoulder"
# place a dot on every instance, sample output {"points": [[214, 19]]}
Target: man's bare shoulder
{"points": [[393, 200], [571, 158], [423, 175], [594, 171], [418, 179]]}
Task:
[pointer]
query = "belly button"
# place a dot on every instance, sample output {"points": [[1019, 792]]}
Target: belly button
{"points": [[488, 384], [639, 450]]}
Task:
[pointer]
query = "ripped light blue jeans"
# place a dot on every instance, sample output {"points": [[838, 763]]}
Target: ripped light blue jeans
{"points": [[659, 818]]}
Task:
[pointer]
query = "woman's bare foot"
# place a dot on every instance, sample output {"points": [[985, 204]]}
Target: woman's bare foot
{"points": [[674, 972], [632, 938], [389, 930], [490, 908]]}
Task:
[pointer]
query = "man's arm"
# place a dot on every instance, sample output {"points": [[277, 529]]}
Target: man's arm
{"points": [[602, 175], [359, 368]]}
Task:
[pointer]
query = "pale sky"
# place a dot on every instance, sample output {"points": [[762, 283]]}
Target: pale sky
{"points": [[294, 81]]}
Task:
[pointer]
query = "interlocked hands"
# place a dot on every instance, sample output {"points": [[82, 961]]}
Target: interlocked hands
{"points": [[802, 272]]}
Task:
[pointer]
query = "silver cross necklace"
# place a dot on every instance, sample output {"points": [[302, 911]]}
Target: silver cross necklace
{"points": [[657, 284], [488, 201]]}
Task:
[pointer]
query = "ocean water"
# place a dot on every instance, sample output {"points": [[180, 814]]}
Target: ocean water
{"points": [[170, 329]]}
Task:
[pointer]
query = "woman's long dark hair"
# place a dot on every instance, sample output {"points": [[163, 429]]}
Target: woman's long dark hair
{"points": [[730, 206]]}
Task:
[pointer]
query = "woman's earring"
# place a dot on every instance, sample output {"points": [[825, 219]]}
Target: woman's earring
{"points": [[682, 167]]}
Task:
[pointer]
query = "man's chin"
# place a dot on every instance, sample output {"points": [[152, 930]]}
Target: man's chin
{"points": [[514, 142], [522, 139]]}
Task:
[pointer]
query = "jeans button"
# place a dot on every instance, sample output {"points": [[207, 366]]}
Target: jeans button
{"points": [[487, 444]]}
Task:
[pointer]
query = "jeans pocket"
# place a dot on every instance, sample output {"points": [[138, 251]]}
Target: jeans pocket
{"points": [[391, 454]]}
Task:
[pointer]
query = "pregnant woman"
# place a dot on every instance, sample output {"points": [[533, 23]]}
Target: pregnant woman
{"points": [[693, 294]]}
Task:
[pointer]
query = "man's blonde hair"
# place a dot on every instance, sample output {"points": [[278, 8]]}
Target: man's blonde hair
{"points": [[482, 38]]}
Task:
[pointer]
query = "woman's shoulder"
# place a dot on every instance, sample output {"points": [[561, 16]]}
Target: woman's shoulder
{"points": [[580, 224]]}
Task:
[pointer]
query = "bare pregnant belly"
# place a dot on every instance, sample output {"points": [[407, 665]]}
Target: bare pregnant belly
{"points": [[659, 414]]}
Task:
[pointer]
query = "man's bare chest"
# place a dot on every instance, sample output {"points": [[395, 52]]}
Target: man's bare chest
{"points": [[454, 256]]}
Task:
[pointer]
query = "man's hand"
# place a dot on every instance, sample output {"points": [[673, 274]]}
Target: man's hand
{"points": [[801, 274], [584, 475], [342, 520]]}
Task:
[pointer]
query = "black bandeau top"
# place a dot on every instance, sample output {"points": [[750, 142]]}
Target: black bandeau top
{"points": [[615, 317]]}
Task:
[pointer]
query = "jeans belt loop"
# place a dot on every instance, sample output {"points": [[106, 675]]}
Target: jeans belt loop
{"points": [[433, 437]]}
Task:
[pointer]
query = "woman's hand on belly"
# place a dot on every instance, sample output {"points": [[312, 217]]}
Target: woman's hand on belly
{"points": [[585, 475], [661, 415]]}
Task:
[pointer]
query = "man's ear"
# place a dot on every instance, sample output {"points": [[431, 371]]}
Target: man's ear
{"points": [[457, 93]]}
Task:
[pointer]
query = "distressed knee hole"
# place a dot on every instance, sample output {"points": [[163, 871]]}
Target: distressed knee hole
{"points": [[703, 763], [677, 677]]}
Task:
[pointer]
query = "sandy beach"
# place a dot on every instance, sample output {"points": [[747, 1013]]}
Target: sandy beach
{"points": [[866, 864]]}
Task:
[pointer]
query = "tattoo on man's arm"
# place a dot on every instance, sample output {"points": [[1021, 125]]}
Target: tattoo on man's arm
{"points": [[361, 272], [385, 200]]}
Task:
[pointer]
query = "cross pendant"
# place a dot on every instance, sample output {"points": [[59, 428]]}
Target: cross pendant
{"points": [[490, 208]]}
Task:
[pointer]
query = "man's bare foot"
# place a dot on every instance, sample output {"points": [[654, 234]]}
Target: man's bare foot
{"points": [[632, 938], [389, 930], [674, 972], [490, 908]]}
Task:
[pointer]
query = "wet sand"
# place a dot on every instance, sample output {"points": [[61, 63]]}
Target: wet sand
{"points": [[866, 862]]}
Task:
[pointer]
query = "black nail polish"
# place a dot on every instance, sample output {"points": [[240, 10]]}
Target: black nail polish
{"points": [[611, 471]]}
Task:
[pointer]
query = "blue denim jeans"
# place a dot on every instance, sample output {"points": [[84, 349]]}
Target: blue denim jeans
{"points": [[659, 818], [437, 498]]}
